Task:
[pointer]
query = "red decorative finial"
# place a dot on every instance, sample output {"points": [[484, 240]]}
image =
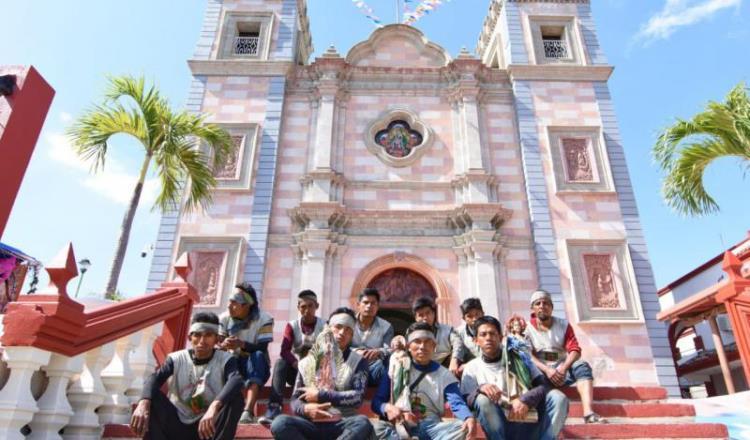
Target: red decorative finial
{"points": [[182, 267], [732, 265], [61, 270]]}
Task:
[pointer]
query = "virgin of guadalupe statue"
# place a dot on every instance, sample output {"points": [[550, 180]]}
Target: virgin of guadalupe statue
{"points": [[323, 365]]}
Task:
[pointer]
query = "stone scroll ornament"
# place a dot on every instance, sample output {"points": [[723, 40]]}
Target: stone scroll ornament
{"points": [[323, 365], [601, 281], [577, 160]]}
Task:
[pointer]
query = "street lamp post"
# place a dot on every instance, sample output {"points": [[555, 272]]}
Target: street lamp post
{"points": [[83, 266]]}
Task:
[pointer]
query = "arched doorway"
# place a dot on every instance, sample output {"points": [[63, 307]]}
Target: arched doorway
{"points": [[401, 278], [398, 288]]}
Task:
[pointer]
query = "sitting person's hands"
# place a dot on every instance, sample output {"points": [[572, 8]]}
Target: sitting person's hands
{"points": [[139, 420], [318, 411], [492, 391], [518, 410], [207, 424], [310, 395], [393, 413], [231, 343]]}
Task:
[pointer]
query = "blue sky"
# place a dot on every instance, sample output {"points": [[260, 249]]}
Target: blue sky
{"points": [[671, 57]]}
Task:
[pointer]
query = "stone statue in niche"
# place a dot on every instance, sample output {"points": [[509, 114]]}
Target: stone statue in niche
{"points": [[577, 160], [228, 170], [601, 281], [206, 281], [401, 286], [398, 139]]}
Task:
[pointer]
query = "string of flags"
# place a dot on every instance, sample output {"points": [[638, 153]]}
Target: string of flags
{"points": [[413, 10], [367, 11], [423, 8]]}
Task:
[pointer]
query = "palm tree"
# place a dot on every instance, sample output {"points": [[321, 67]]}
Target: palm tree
{"points": [[685, 149], [169, 143]]}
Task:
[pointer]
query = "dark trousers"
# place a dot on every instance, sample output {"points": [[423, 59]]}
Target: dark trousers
{"points": [[349, 428], [165, 424], [283, 374]]}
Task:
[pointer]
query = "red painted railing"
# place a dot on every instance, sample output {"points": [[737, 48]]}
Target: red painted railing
{"points": [[52, 321]]}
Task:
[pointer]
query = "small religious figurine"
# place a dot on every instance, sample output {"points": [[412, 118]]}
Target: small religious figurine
{"points": [[398, 371], [518, 365]]}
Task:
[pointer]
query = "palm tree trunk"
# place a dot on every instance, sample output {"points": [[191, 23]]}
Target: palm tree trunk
{"points": [[127, 224]]}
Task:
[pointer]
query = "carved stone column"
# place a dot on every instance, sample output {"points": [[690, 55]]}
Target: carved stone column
{"points": [[316, 245], [478, 247], [17, 405]]}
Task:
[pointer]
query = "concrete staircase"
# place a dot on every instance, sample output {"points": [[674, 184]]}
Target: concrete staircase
{"points": [[633, 413]]}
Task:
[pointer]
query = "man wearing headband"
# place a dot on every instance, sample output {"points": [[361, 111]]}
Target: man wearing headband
{"points": [[204, 398], [372, 335], [299, 336], [246, 331], [431, 386], [324, 413], [557, 354], [485, 380], [449, 344]]}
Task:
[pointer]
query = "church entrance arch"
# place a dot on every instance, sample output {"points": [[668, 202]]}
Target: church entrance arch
{"points": [[400, 279]]}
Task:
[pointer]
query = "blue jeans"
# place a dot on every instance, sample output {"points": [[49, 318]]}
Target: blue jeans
{"points": [[430, 428], [552, 414], [375, 372], [580, 370], [348, 428], [254, 368]]}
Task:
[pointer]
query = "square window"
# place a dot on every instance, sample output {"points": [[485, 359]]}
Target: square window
{"points": [[554, 40], [246, 35]]}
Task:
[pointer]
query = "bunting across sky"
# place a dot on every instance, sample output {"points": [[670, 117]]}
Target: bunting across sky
{"points": [[413, 10]]}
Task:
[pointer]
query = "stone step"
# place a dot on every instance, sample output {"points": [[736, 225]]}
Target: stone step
{"points": [[573, 431]]}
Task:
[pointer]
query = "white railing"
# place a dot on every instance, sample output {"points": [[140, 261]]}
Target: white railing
{"points": [[555, 49], [246, 45], [81, 393]]}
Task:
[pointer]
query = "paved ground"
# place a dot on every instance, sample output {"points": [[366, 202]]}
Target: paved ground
{"points": [[733, 411]]}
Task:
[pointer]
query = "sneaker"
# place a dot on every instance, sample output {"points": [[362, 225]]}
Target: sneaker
{"points": [[273, 411], [247, 418]]}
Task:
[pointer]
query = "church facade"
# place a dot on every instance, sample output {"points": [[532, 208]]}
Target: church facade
{"points": [[400, 166]]}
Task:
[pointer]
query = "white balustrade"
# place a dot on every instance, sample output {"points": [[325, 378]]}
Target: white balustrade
{"points": [[116, 378], [17, 405], [87, 393], [142, 361], [54, 409]]}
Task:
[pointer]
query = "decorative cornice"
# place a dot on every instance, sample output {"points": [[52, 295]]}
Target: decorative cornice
{"points": [[474, 216], [224, 67], [318, 215], [399, 184], [552, 72]]}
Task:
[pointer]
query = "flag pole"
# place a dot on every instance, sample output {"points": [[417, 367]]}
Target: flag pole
{"points": [[398, 11]]}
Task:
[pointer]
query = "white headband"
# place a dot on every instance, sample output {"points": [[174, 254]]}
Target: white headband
{"points": [[539, 294], [203, 327], [421, 334], [341, 319]]}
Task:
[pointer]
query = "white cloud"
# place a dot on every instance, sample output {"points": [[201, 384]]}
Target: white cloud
{"points": [[114, 182], [66, 117], [680, 13]]}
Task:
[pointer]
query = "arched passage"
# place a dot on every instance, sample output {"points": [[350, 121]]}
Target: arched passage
{"points": [[401, 278]]}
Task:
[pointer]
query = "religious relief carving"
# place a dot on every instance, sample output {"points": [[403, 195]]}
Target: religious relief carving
{"points": [[577, 160], [228, 169], [398, 139], [401, 286], [207, 275], [600, 277]]}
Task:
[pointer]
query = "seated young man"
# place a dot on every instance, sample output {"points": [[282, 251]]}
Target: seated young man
{"points": [[246, 331], [557, 354], [299, 336], [204, 397], [471, 310], [483, 384], [448, 343], [430, 386], [329, 389], [372, 335]]}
